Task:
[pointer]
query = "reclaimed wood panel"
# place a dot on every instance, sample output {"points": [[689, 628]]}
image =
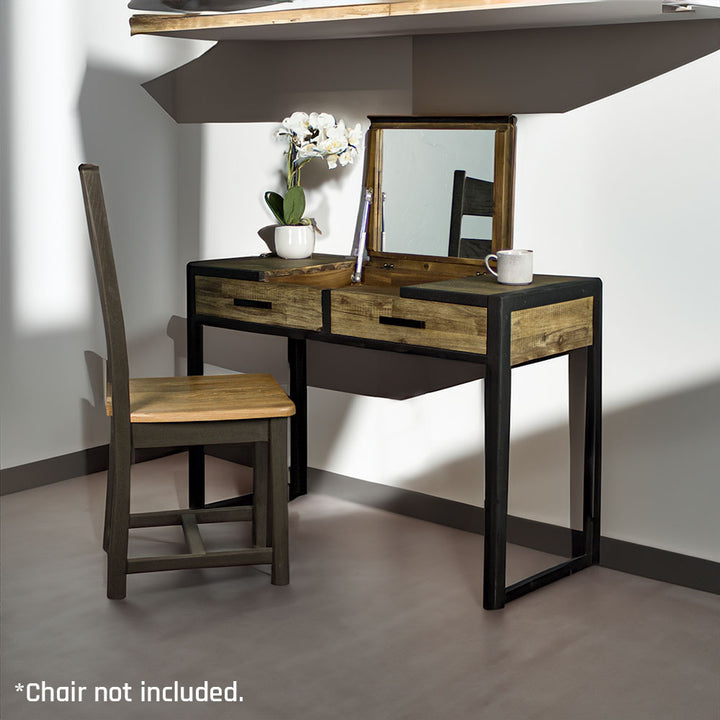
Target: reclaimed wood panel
{"points": [[551, 329], [398, 269], [325, 280], [283, 304], [178, 23], [374, 316]]}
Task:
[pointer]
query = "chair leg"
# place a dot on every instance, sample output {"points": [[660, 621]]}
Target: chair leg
{"points": [[261, 481], [119, 519], [279, 501], [109, 485]]}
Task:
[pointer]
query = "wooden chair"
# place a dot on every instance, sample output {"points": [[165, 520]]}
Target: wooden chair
{"points": [[179, 412], [470, 197]]}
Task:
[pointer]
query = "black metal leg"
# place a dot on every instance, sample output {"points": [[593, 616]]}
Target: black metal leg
{"points": [[297, 358], [585, 370], [580, 511], [585, 374], [593, 429], [497, 456], [196, 455]]}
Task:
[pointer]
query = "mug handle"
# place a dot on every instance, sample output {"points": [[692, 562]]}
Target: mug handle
{"points": [[487, 264]]}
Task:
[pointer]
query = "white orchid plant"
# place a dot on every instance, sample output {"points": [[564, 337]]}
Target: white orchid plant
{"points": [[312, 136]]}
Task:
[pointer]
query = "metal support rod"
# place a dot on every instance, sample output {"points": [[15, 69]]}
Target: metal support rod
{"points": [[362, 242], [580, 493], [497, 453], [297, 358], [593, 424]]}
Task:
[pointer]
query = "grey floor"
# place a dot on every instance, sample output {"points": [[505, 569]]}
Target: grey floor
{"points": [[383, 619]]}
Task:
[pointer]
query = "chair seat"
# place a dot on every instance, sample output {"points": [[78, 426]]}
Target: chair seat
{"points": [[205, 398]]}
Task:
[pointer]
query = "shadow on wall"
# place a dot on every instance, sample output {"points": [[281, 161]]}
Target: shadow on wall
{"points": [[656, 454], [361, 371], [372, 76], [93, 411], [150, 169], [535, 70]]}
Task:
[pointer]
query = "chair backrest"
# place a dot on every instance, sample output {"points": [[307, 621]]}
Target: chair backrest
{"points": [[99, 231], [470, 197]]}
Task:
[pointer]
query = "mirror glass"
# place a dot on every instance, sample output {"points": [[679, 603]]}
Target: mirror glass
{"points": [[433, 179], [417, 182]]}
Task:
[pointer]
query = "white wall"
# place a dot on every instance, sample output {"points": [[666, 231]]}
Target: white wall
{"points": [[613, 189], [71, 92], [621, 188]]}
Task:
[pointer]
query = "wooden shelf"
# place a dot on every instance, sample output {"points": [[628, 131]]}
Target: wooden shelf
{"points": [[407, 17]]}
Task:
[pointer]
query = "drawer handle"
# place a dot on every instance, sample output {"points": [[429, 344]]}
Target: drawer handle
{"points": [[244, 302], [403, 322]]}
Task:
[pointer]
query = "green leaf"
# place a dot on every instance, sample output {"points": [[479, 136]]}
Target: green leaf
{"points": [[275, 203], [294, 205]]}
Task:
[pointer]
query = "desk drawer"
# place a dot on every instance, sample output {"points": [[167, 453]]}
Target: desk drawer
{"points": [[286, 305], [412, 322]]}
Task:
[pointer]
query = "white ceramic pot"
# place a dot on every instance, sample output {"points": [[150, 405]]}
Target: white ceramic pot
{"points": [[294, 241]]}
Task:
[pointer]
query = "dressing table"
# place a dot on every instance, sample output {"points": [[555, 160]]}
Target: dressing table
{"points": [[448, 307], [423, 57]]}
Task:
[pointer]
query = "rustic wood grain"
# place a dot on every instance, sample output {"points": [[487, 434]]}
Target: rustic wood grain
{"points": [[393, 269], [266, 267], [306, 270], [205, 397], [456, 327], [551, 329], [176, 23], [295, 306], [373, 179], [502, 229], [503, 178], [326, 279]]}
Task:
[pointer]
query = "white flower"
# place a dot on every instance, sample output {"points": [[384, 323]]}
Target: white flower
{"points": [[355, 135], [317, 135], [337, 131], [308, 150], [297, 125], [321, 121], [348, 157], [333, 145]]}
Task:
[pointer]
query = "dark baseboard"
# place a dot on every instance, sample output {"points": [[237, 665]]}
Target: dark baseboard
{"points": [[92, 460], [664, 565], [45, 472], [641, 560], [64, 467]]}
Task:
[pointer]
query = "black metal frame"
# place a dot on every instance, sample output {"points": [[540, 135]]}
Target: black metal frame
{"points": [[584, 363]]}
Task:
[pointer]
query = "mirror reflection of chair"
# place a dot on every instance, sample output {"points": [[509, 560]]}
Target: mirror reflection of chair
{"points": [[474, 197], [181, 412]]}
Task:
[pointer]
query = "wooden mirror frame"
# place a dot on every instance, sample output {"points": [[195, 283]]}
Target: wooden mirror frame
{"points": [[504, 127]]}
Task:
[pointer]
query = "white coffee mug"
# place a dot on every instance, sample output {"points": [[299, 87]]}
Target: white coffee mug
{"points": [[514, 267]]}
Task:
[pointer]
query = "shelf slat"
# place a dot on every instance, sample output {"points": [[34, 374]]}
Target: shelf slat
{"points": [[403, 17]]}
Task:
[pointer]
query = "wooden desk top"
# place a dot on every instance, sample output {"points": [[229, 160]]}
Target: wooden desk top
{"points": [[266, 267], [422, 308], [478, 289]]}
